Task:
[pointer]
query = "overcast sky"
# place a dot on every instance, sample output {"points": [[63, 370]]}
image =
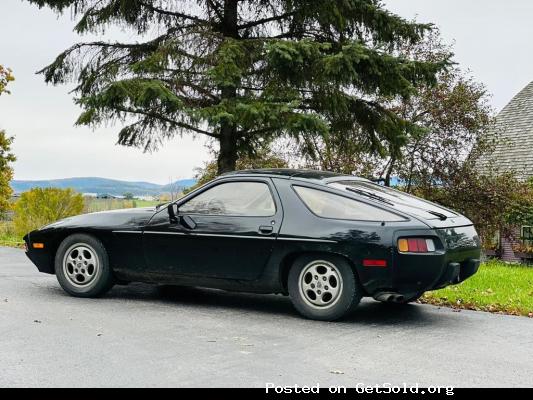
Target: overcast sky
{"points": [[492, 39]]}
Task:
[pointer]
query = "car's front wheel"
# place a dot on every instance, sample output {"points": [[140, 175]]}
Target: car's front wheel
{"points": [[82, 266], [324, 288]]}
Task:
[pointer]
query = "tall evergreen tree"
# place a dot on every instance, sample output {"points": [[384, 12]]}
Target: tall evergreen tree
{"points": [[242, 71]]}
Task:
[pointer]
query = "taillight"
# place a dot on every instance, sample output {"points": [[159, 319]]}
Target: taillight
{"points": [[416, 245]]}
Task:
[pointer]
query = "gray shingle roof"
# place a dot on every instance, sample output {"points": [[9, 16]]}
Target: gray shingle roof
{"points": [[513, 132]]}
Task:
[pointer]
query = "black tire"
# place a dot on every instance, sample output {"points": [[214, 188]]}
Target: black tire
{"points": [[348, 294], [83, 284]]}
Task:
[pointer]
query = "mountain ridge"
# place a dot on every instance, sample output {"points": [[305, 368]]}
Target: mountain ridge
{"points": [[99, 185]]}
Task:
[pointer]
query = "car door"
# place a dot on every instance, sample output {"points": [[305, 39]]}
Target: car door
{"points": [[232, 227]]}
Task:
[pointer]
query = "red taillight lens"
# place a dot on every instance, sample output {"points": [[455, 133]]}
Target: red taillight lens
{"points": [[416, 245]]}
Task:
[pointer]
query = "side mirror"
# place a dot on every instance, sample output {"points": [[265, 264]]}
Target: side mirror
{"points": [[187, 222], [173, 213]]}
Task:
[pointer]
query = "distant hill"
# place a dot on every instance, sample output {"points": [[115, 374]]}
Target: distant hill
{"points": [[102, 186]]}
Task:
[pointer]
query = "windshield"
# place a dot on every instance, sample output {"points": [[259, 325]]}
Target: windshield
{"points": [[399, 200]]}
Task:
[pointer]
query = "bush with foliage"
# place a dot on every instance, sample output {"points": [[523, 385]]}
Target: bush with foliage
{"points": [[493, 201], [6, 172], [40, 207]]}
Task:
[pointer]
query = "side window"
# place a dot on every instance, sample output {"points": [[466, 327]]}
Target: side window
{"points": [[329, 205], [249, 199]]}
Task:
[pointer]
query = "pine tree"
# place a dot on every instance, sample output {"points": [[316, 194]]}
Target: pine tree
{"points": [[242, 72]]}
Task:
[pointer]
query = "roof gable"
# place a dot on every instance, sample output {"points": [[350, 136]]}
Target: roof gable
{"points": [[513, 132]]}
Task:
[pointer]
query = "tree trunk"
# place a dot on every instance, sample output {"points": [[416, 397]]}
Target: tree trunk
{"points": [[227, 157], [388, 176]]}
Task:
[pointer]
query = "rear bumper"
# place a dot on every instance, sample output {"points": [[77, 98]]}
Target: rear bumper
{"points": [[457, 258], [455, 273], [432, 273]]}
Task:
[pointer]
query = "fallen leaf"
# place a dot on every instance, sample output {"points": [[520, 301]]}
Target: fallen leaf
{"points": [[336, 372]]}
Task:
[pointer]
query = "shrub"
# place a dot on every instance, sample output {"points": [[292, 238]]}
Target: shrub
{"points": [[40, 207], [8, 237]]}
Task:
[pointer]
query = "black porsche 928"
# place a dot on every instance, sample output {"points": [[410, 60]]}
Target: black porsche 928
{"points": [[326, 240]]}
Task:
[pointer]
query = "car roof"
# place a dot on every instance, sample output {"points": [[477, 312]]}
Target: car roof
{"points": [[302, 174]]}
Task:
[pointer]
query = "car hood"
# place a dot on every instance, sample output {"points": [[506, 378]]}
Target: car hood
{"points": [[117, 219]]}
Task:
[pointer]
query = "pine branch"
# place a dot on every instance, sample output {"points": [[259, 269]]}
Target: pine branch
{"points": [[174, 14], [266, 20], [161, 117], [216, 8]]}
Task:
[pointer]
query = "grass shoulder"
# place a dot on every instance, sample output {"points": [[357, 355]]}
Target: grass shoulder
{"points": [[498, 287]]}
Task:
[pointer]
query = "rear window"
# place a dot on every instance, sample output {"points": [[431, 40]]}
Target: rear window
{"points": [[397, 199], [329, 205]]}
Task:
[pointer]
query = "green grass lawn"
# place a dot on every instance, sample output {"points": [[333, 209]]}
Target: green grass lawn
{"points": [[497, 287]]}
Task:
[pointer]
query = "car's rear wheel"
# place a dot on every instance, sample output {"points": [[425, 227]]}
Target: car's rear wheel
{"points": [[323, 287], [82, 266]]}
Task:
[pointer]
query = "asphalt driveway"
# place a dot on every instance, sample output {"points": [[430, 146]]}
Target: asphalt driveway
{"points": [[140, 335]]}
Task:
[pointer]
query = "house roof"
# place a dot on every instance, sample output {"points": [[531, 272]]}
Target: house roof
{"points": [[513, 132]]}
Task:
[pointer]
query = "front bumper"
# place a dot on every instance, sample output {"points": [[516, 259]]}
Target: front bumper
{"points": [[40, 258]]}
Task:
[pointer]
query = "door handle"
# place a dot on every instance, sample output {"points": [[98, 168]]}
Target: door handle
{"points": [[266, 230]]}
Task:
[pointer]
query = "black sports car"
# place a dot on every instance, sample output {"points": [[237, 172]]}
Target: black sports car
{"points": [[327, 240]]}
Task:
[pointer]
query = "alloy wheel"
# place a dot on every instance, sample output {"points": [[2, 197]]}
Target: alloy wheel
{"points": [[320, 284], [81, 265]]}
